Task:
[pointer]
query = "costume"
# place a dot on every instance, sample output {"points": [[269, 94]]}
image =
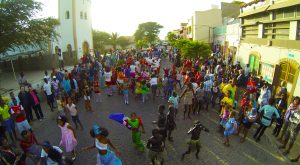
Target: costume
{"points": [[136, 133], [68, 140]]}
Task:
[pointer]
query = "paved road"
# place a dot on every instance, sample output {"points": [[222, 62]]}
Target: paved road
{"points": [[212, 152]]}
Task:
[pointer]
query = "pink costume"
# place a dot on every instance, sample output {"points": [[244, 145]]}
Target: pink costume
{"points": [[68, 140]]}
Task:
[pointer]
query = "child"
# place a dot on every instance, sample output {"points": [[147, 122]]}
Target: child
{"points": [[174, 100], [87, 97], [249, 119], [138, 88], [61, 104], [225, 112], [72, 109], [97, 90], [125, 88], [170, 125], [145, 90], [230, 128], [159, 87], [68, 137]]}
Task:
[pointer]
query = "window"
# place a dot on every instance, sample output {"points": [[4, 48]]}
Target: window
{"points": [[278, 30], [81, 15], [85, 16], [298, 11], [250, 31], [285, 13], [67, 15]]}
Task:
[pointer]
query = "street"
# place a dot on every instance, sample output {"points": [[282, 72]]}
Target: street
{"points": [[212, 152]]}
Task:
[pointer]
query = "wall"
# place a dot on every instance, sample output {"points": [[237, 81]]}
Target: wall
{"points": [[83, 27], [233, 32], [65, 29], [270, 55], [203, 23]]}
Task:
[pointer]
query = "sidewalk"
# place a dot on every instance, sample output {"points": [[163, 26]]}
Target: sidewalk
{"points": [[9, 84]]}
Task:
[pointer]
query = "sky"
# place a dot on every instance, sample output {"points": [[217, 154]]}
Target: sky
{"points": [[124, 16]]}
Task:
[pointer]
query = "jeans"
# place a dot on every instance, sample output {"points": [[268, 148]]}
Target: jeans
{"points": [[38, 111], [76, 120], [28, 112], [260, 131]]}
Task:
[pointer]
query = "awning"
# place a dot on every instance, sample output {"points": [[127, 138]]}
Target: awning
{"points": [[254, 11], [284, 4]]}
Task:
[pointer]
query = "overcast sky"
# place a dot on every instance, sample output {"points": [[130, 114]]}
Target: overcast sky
{"points": [[123, 16]]}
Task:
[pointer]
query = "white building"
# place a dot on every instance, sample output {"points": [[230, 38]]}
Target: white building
{"points": [[75, 27]]}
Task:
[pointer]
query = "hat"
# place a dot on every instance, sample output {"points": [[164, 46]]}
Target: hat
{"points": [[54, 77], [46, 144], [96, 129]]}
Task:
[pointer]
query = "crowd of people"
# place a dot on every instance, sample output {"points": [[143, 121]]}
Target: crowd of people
{"points": [[239, 96]]}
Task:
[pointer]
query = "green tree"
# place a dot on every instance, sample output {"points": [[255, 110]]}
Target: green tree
{"points": [[193, 49], [100, 39], [20, 28], [172, 38], [148, 32], [141, 44], [114, 40], [123, 42]]}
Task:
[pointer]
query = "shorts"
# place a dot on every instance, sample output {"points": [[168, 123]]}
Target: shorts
{"points": [[22, 126], [86, 98], [156, 155], [10, 125], [193, 144]]}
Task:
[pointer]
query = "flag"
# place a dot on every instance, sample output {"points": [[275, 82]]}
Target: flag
{"points": [[120, 118]]}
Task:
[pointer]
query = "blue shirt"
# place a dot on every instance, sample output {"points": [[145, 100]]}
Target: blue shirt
{"points": [[207, 85], [268, 113]]}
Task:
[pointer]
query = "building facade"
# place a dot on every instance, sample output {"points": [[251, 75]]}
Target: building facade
{"points": [[270, 41], [75, 29]]}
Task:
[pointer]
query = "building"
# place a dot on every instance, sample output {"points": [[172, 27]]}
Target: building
{"points": [[200, 26], [75, 27], [270, 41], [183, 30]]}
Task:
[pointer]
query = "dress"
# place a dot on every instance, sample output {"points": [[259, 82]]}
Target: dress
{"points": [[188, 97], [109, 158], [68, 140]]}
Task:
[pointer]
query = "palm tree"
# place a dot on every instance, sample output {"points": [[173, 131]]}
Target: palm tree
{"points": [[114, 40]]}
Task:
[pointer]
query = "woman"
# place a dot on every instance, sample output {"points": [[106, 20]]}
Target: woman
{"points": [[153, 82], [105, 156], [188, 95]]}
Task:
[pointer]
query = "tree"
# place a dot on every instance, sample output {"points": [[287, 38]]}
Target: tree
{"points": [[123, 42], [148, 32], [19, 28], [100, 39], [172, 38], [193, 49], [140, 44], [114, 40]]}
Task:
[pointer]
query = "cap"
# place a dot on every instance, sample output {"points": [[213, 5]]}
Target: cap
{"points": [[96, 129], [54, 77]]}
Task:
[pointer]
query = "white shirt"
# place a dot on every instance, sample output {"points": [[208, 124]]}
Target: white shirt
{"points": [[108, 76], [132, 68], [72, 109], [153, 81], [47, 88], [178, 76], [50, 161]]}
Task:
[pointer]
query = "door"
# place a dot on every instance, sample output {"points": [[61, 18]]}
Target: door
{"points": [[288, 73], [254, 64]]}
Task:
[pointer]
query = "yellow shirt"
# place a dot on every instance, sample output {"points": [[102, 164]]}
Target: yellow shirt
{"points": [[227, 100], [227, 88], [221, 86], [4, 112], [5, 99]]}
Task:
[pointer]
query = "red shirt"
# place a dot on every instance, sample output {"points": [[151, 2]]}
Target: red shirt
{"points": [[18, 109], [251, 86], [25, 145]]}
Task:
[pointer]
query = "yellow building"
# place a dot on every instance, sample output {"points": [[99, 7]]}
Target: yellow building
{"points": [[270, 41]]}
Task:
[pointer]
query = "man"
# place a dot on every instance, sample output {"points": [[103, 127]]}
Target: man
{"points": [[9, 122], [35, 102], [292, 131], [156, 147], [24, 97], [17, 111], [207, 85], [22, 80], [195, 138], [12, 96], [247, 71], [136, 123], [60, 59], [47, 89]]}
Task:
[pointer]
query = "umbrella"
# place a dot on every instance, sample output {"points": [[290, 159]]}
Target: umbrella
{"points": [[120, 118]]}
